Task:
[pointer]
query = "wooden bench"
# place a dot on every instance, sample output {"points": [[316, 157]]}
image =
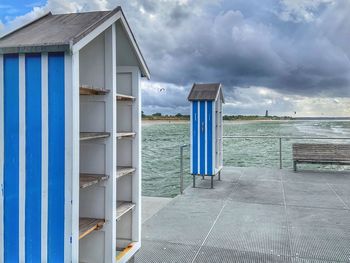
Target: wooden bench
{"points": [[321, 153]]}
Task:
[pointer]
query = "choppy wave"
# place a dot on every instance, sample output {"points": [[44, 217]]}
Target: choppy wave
{"points": [[161, 156]]}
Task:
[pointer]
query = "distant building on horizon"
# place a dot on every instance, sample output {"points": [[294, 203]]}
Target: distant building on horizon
{"points": [[267, 113]]}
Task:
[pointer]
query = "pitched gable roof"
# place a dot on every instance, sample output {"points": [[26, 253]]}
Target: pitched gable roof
{"points": [[206, 92], [55, 30], [60, 32]]}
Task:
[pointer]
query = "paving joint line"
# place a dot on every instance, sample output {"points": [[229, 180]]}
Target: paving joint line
{"points": [[319, 207], [212, 227], [338, 196], [207, 236], [287, 221]]}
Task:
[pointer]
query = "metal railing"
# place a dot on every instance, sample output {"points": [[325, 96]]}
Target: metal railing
{"points": [[182, 167], [279, 138]]}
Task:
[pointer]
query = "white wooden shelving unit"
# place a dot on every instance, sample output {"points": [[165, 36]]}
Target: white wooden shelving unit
{"points": [[128, 161], [110, 153], [97, 148]]}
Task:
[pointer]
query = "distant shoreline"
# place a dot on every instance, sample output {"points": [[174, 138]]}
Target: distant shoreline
{"points": [[240, 121], [187, 121], [164, 121], [186, 118]]}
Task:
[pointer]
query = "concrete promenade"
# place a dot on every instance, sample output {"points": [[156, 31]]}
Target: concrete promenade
{"points": [[254, 215]]}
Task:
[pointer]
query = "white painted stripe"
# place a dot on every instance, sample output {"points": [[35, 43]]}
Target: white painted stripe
{"points": [[191, 136], [44, 156], [111, 150], [71, 182], [213, 139], [199, 137], [1, 157], [72, 135], [221, 135], [206, 138], [22, 154]]}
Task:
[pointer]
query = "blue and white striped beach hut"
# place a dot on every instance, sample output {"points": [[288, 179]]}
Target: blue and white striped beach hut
{"points": [[206, 129], [70, 115]]}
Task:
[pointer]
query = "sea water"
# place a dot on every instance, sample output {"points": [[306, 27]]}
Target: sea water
{"points": [[161, 148]]}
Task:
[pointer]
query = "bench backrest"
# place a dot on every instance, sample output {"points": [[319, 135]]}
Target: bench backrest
{"points": [[321, 152]]}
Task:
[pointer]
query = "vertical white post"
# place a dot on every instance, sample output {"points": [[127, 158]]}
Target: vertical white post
{"points": [[1, 157], [45, 153], [136, 155], [72, 153], [191, 137], [111, 142], [214, 138], [221, 136], [205, 137], [199, 138], [70, 177], [22, 156]]}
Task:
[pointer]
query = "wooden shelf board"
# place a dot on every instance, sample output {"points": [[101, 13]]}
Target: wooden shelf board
{"points": [[88, 225], [86, 90], [121, 252], [121, 135], [122, 97], [123, 207], [85, 136], [124, 170], [87, 180]]}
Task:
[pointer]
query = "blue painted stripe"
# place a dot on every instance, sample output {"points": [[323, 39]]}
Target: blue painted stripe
{"points": [[56, 157], [11, 158], [195, 137], [210, 138], [202, 137], [33, 158]]}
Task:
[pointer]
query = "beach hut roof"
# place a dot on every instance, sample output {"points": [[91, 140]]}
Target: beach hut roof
{"points": [[206, 92], [66, 32]]}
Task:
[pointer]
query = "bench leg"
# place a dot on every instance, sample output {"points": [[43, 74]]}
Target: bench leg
{"points": [[294, 166]]}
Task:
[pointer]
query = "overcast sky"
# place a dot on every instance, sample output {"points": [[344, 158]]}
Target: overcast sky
{"points": [[284, 56]]}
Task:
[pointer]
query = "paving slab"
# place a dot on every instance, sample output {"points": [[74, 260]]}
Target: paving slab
{"points": [[151, 205], [254, 215], [311, 195]]}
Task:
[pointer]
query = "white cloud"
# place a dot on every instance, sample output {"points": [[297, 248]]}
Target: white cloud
{"points": [[255, 100], [20, 20], [171, 99], [335, 25], [301, 10], [164, 97], [285, 64], [55, 6]]}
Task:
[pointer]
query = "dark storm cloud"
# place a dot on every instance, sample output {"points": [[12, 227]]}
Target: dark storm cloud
{"points": [[177, 16], [293, 48], [296, 47]]}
